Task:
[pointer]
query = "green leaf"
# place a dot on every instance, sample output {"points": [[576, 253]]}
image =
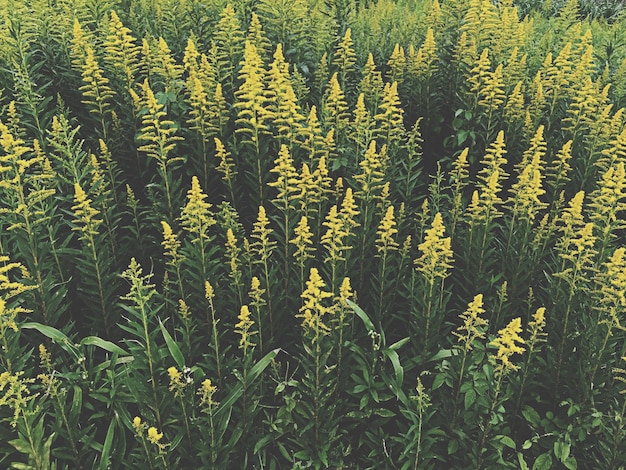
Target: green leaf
{"points": [[362, 315], [104, 344], [571, 463], [442, 354], [252, 375], [507, 441], [55, 335], [470, 398], [562, 450], [399, 344], [106, 448], [543, 462], [531, 416], [453, 446], [173, 347], [522, 463]]}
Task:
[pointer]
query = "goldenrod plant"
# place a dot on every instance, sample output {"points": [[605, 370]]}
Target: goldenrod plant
{"points": [[300, 234]]}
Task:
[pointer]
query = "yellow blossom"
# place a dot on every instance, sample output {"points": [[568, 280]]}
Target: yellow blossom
{"points": [[171, 244], [175, 377], [196, 217], [154, 436], [86, 221], [313, 309], [474, 325], [206, 392], [436, 257], [508, 343], [345, 292], [243, 328], [303, 240], [386, 232], [137, 423]]}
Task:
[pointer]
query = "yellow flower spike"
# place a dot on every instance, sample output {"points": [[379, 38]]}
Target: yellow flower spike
{"points": [[257, 302], [121, 51], [313, 309], [607, 202], [96, 91], [372, 82], [386, 233], [196, 217], [333, 239], [514, 107], [206, 392], [390, 122], [154, 436], [349, 212], [573, 215], [536, 329], [287, 179], [526, 191], [171, 244], [45, 358], [491, 95], [191, 56], [508, 342], [183, 310], [397, 65], [243, 329], [233, 253], [372, 173], [261, 231], [226, 167], [86, 221], [257, 36], [253, 113], [558, 172], [344, 57], [303, 240], [335, 109], [474, 326], [137, 424], [176, 379], [362, 125], [436, 258], [209, 293], [15, 394], [345, 292]]}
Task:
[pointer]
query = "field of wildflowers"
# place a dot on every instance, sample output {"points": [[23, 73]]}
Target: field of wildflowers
{"points": [[312, 234]]}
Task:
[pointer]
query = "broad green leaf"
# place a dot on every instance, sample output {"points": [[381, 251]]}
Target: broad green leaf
{"points": [[173, 347], [55, 335], [104, 344], [362, 315], [543, 462], [106, 448]]}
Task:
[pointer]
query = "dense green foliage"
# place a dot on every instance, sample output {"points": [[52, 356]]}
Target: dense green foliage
{"points": [[304, 233]]}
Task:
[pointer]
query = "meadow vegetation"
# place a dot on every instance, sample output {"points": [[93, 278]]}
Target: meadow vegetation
{"points": [[312, 234]]}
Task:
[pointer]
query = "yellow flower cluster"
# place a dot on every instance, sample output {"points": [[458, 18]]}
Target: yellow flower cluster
{"points": [[86, 221], [313, 309], [386, 233], [196, 217], [474, 325], [303, 240], [177, 383], [171, 244], [14, 393], [508, 343], [243, 329], [436, 257], [206, 392]]}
